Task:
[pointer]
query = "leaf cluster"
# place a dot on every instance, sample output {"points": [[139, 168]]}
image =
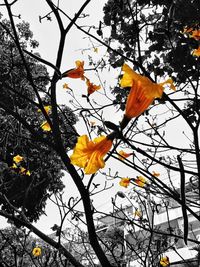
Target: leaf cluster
{"points": [[27, 192], [151, 33]]}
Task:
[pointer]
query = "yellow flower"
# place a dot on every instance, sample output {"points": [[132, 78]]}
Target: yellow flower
{"points": [[21, 169], [92, 123], [125, 182], [65, 86], [24, 171], [92, 87], [28, 173], [46, 108], [164, 261], [14, 166], [138, 213], [78, 72], [156, 174], [196, 52], [37, 252], [143, 91], [140, 181], [89, 154], [123, 155], [17, 159], [96, 49], [45, 126]]}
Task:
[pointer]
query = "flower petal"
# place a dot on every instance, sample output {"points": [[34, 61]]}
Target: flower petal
{"points": [[89, 154]]}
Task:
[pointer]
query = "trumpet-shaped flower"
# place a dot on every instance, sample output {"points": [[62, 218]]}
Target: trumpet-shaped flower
{"points": [[141, 181], [123, 155], [76, 73], [164, 261], [37, 252], [196, 52], [92, 87], [18, 158], [125, 182], [45, 126], [143, 91], [89, 154]]}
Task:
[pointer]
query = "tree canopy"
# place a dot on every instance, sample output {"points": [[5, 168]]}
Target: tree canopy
{"points": [[27, 183]]}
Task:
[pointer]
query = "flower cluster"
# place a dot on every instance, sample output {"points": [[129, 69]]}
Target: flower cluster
{"points": [[89, 154], [194, 33], [78, 73], [17, 165], [139, 181]]}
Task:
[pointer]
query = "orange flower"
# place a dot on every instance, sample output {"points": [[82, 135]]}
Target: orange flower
{"points": [[92, 87], [140, 181], [76, 73], [89, 154], [65, 86], [45, 126], [164, 261], [125, 182], [187, 30], [195, 34], [46, 108], [196, 52], [143, 91], [123, 155], [156, 174], [192, 32]]}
